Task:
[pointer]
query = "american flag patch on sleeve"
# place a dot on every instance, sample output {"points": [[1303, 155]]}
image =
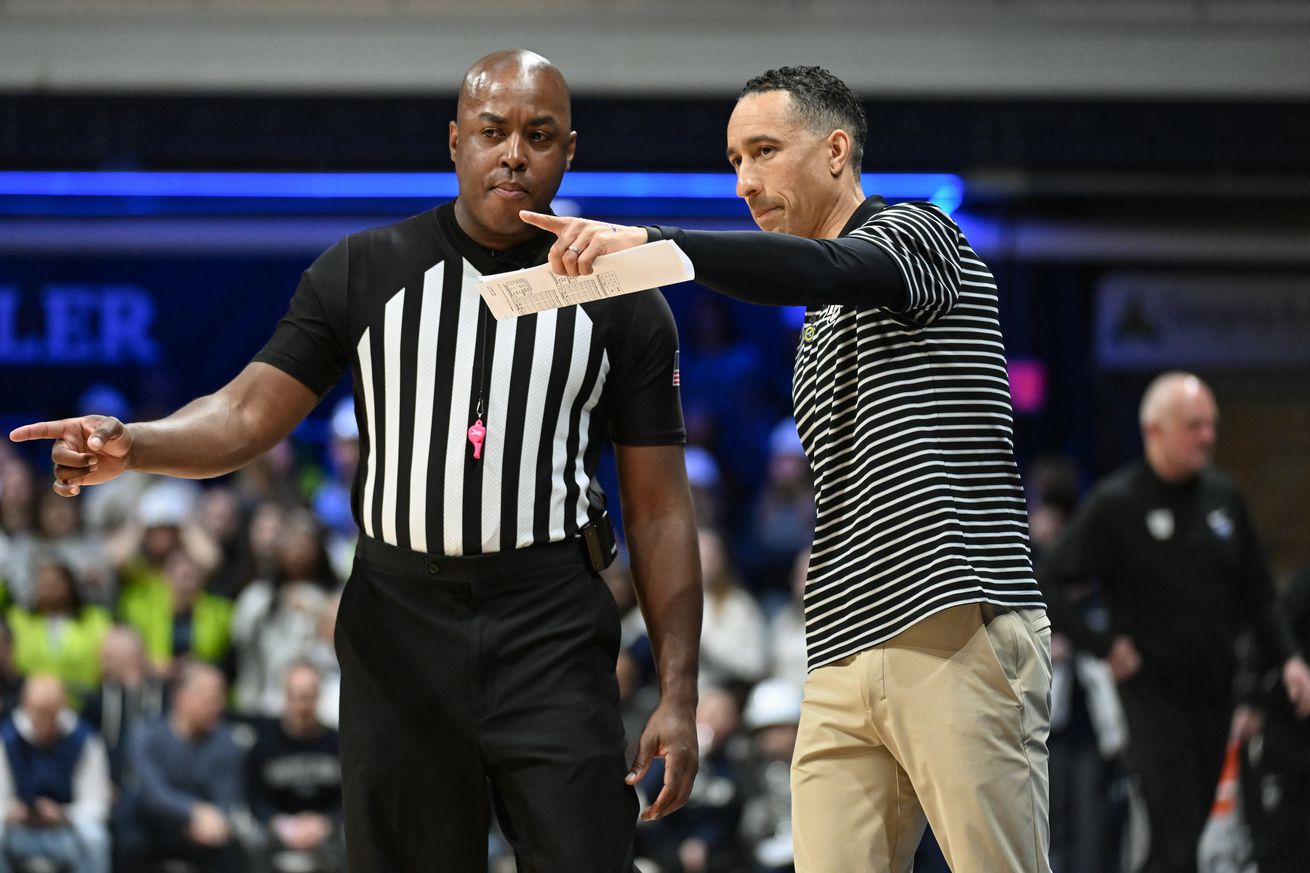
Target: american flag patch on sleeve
{"points": [[677, 374]]}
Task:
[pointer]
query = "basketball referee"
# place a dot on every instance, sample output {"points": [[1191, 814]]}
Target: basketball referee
{"points": [[929, 646], [477, 642]]}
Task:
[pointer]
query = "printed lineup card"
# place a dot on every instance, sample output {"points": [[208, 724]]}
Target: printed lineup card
{"points": [[535, 289]]}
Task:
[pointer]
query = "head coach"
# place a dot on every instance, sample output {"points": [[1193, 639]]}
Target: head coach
{"points": [[927, 697]]}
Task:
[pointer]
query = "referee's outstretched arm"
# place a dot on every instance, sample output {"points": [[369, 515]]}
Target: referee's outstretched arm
{"points": [[660, 522], [216, 434]]}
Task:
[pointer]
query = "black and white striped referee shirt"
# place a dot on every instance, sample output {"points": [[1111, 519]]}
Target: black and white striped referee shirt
{"points": [[399, 305], [902, 402]]}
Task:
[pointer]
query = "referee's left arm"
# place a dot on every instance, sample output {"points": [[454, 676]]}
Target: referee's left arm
{"points": [[660, 523]]}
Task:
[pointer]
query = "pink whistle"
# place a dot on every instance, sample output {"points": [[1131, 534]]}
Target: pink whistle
{"points": [[477, 433]]}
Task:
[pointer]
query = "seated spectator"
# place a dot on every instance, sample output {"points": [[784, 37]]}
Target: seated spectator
{"points": [[732, 649], [189, 771], [275, 620], [176, 616], [59, 635], [129, 696], [772, 715], [294, 779], [54, 785]]}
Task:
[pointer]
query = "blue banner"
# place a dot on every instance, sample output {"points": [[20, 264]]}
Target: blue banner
{"points": [[159, 330]]}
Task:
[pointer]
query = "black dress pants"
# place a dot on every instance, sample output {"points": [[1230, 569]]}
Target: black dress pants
{"points": [[463, 676], [1175, 751]]}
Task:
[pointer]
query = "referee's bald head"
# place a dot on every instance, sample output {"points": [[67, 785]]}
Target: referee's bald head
{"points": [[511, 143], [513, 68]]}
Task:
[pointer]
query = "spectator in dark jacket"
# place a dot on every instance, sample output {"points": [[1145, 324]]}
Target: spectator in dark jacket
{"points": [[189, 772]]}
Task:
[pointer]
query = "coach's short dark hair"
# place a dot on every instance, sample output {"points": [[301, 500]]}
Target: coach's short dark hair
{"points": [[823, 101]]}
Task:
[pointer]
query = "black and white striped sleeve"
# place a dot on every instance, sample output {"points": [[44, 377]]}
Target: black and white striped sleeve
{"points": [[924, 245]]}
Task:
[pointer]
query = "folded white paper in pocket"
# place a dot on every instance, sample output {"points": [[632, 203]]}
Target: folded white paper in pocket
{"points": [[535, 289]]}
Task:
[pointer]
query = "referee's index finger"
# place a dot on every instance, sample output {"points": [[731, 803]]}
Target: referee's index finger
{"points": [[41, 430]]}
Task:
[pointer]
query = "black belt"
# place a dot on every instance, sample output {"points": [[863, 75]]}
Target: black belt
{"points": [[406, 562], [594, 548]]}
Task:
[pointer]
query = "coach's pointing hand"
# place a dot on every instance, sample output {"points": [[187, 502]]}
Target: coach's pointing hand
{"points": [[581, 241], [87, 450]]}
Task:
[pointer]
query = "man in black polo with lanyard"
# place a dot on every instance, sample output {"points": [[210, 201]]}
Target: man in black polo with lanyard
{"points": [[928, 642], [477, 642]]}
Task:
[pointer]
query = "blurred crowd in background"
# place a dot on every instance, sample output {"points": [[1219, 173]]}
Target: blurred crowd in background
{"points": [[169, 683]]}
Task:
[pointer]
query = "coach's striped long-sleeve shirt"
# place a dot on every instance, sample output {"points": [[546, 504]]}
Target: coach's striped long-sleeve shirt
{"points": [[399, 306], [902, 403]]}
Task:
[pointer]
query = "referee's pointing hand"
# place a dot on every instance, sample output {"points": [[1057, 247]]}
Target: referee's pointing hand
{"points": [[581, 241], [87, 450]]}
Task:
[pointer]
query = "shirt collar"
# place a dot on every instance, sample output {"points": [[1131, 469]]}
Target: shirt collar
{"points": [[864, 212], [1177, 486], [485, 260]]}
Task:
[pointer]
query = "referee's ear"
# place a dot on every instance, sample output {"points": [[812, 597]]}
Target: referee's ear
{"points": [[838, 151]]}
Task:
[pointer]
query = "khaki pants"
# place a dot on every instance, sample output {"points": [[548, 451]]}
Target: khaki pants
{"points": [[945, 724]]}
